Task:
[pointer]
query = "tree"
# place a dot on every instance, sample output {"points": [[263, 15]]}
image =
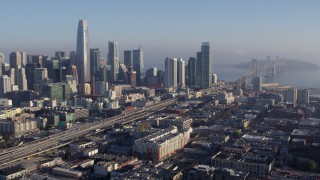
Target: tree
{"points": [[311, 165]]}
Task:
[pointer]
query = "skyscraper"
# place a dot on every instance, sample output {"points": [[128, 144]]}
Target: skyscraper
{"points": [[214, 79], [5, 85], [40, 74], [138, 66], [21, 78], [181, 74], [303, 96], [171, 72], [191, 68], [17, 59], [127, 57], [257, 84], [1, 58], [198, 69], [83, 58], [113, 61], [73, 57], [206, 68], [60, 55], [291, 95], [94, 62]]}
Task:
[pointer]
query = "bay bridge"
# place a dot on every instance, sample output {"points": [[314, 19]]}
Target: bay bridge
{"points": [[269, 67]]}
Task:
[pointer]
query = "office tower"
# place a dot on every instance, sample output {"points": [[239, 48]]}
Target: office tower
{"points": [[102, 62], [71, 80], [37, 59], [291, 95], [58, 91], [160, 75], [5, 69], [83, 58], [303, 96], [21, 78], [53, 67], [152, 79], [191, 68], [257, 84], [40, 74], [206, 65], [171, 72], [214, 79], [94, 62], [5, 85], [254, 66], [60, 55], [113, 61], [17, 59], [73, 57], [101, 88], [2, 59], [123, 74], [74, 72], [30, 67], [127, 57], [132, 77], [103, 73], [181, 74], [13, 77], [84, 89], [138, 66], [198, 69]]}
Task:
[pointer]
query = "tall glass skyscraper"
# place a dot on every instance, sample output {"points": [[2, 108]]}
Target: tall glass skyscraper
{"points": [[83, 57], [138, 66], [207, 61], [94, 61], [127, 57], [113, 61]]}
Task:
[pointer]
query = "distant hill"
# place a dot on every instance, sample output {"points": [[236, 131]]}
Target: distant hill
{"points": [[285, 65]]}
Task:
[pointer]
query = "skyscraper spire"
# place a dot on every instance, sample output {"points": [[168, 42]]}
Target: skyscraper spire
{"points": [[83, 57]]}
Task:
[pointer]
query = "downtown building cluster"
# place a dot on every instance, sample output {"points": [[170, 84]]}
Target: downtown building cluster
{"points": [[212, 130], [85, 73]]}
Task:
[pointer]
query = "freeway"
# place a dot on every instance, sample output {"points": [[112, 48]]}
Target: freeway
{"points": [[66, 137]]}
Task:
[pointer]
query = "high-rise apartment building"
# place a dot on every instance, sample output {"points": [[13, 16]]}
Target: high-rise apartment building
{"points": [[94, 62], [138, 66], [83, 58], [171, 72], [181, 74], [113, 61]]}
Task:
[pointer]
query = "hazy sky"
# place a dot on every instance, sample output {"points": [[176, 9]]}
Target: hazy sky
{"points": [[238, 30]]}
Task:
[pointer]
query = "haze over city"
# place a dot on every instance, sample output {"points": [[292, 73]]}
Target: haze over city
{"points": [[237, 30]]}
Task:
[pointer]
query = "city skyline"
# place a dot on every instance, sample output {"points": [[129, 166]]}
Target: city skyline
{"points": [[238, 31]]}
